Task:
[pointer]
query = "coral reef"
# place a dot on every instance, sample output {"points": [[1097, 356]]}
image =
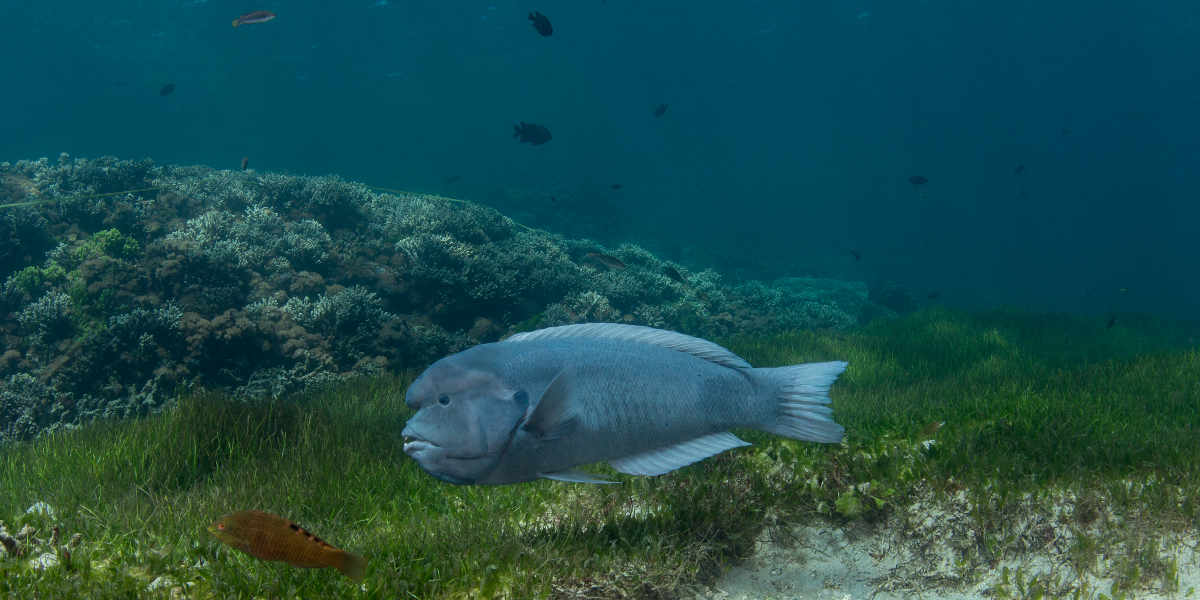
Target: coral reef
{"points": [[128, 280]]}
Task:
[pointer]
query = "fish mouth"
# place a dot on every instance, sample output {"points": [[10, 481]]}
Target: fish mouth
{"points": [[414, 443]]}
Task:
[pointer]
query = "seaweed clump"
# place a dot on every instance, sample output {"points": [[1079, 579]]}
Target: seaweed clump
{"points": [[265, 284]]}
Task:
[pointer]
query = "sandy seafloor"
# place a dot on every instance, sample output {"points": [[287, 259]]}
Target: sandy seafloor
{"points": [[912, 554]]}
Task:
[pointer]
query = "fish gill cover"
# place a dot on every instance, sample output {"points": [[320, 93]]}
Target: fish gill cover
{"points": [[265, 284]]}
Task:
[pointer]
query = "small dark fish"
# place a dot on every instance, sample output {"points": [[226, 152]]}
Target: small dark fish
{"points": [[122, 84], [268, 537], [673, 274], [1111, 322], [167, 89], [553, 199], [616, 186], [933, 295], [658, 112], [1020, 169], [245, 162], [920, 192], [1022, 193], [1124, 290], [611, 262], [703, 296], [932, 428], [857, 256], [918, 180], [541, 23], [452, 179], [258, 16], [1064, 132], [532, 132]]}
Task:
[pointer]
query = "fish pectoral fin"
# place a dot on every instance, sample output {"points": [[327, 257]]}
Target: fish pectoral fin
{"points": [[669, 458], [577, 476], [554, 415]]}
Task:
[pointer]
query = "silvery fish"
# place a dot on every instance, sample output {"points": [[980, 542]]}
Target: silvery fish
{"points": [[646, 400]]}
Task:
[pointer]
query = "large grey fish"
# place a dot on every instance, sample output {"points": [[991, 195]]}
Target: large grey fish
{"points": [[646, 400]]}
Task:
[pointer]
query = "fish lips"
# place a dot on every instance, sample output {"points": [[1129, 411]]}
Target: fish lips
{"points": [[431, 457]]}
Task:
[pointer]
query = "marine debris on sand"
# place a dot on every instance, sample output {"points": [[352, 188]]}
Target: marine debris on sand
{"points": [[266, 284]]}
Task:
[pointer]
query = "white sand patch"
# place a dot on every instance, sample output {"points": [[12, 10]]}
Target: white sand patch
{"points": [[936, 549]]}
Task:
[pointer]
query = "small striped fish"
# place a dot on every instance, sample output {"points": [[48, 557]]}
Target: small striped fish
{"points": [[268, 537]]}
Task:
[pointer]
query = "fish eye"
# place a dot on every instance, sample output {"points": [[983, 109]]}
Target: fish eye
{"points": [[221, 526], [443, 400]]}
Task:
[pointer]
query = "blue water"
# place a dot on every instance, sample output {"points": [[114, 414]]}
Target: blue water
{"points": [[791, 132]]}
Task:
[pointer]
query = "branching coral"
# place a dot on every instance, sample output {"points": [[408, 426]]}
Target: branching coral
{"points": [[269, 283]]}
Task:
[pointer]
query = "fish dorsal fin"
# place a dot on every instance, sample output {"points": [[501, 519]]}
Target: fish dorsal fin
{"points": [[637, 333], [669, 458], [577, 476], [554, 414]]}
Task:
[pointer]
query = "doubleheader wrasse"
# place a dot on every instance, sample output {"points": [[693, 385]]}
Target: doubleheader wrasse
{"points": [[646, 400], [258, 16], [268, 537]]}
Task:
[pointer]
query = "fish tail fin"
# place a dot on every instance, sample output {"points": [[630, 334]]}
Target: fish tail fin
{"points": [[237, 22], [353, 566], [518, 130], [802, 393], [531, 17]]}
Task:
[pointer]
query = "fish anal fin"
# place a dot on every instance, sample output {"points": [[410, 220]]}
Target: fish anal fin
{"points": [[577, 476], [669, 458]]}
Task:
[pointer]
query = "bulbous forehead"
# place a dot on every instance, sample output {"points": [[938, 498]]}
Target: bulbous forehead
{"points": [[456, 375]]}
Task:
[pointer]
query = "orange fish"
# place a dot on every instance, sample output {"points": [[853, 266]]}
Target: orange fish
{"points": [[268, 537], [611, 262], [258, 16]]}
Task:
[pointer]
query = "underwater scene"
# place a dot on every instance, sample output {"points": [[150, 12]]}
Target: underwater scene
{"points": [[847, 300]]}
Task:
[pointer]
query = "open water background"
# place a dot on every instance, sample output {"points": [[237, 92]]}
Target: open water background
{"points": [[792, 128]]}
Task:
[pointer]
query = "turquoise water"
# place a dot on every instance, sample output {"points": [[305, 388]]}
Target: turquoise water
{"points": [[791, 133]]}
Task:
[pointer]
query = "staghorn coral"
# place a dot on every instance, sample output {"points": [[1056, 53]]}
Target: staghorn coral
{"points": [[27, 407], [48, 319], [801, 303]]}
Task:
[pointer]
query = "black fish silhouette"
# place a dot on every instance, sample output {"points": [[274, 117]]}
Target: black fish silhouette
{"points": [[541, 23], [1020, 169], [918, 180], [658, 112], [856, 255], [532, 132], [673, 274], [933, 295], [1111, 322], [167, 89], [1064, 132], [616, 186], [452, 179]]}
